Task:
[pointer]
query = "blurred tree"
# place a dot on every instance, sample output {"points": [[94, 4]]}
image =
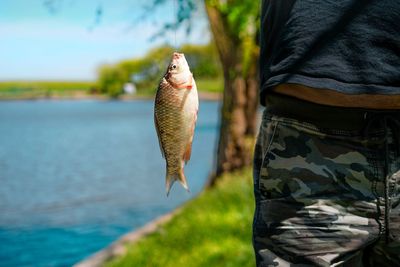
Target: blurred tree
{"points": [[111, 80], [234, 26]]}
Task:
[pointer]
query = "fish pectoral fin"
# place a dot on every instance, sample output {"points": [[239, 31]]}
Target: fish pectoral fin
{"points": [[159, 136], [189, 85]]}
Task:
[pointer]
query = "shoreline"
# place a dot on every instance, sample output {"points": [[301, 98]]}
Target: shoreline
{"points": [[206, 96], [159, 246], [118, 247]]}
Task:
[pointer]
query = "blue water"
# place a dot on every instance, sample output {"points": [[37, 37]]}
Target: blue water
{"points": [[76, 175]]}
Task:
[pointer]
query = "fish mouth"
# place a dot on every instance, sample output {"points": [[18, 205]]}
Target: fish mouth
{"points": [[177, 55]]}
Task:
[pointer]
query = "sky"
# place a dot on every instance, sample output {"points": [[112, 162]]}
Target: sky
{"points": [[68, 42]]}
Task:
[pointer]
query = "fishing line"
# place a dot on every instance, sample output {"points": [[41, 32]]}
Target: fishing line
{"points": [[176, 22]]}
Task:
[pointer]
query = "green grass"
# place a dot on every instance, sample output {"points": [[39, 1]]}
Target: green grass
{"points": [[37, 89], [214, 229]]}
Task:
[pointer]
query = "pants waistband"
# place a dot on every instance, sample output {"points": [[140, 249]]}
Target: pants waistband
{"points": [[322, 116]]}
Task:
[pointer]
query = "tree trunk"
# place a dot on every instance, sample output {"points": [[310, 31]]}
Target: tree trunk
{"points": [[240, 101]]}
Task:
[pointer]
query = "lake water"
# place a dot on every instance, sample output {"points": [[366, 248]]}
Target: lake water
{"points": [[76, 175]]}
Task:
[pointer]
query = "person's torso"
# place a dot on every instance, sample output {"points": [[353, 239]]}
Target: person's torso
{"points": [[349, 47]]}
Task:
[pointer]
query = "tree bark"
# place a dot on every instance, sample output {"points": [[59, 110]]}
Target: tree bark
{"points": [[240, 101]]}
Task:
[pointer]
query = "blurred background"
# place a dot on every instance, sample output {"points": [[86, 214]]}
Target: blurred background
{"points": [[79, 158]]}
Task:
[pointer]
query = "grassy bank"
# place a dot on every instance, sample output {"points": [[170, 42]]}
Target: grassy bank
{"points": [[79, 89], [43, 89], [214, 229]]}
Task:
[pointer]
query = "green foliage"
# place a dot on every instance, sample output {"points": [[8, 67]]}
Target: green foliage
{"points": [[213, 85], [183, 14], [146, 72], [241, 20], [214, 229], [242, 16], [203, 60], [109, 80]]}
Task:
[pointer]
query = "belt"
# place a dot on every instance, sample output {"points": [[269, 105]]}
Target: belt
{"points": [[330, 117]]}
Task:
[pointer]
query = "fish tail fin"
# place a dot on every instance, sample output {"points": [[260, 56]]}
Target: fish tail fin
{"points": [[172, 177]]}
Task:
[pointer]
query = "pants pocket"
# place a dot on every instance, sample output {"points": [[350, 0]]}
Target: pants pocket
{"points": [[300, 161]]}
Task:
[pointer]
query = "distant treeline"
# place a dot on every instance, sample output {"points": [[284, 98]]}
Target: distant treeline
{"points": [[146, 72]]}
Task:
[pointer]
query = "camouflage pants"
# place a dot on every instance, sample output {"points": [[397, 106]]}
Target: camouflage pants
{"points": [[326, 197]]}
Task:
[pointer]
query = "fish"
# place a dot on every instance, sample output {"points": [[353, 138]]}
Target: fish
{"points": [[175, 115]]}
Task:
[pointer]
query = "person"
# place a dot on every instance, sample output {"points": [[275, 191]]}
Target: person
{"points": [[326, 162]]}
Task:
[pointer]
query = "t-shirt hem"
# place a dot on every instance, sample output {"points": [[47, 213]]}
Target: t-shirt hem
{"points": [[328, 83]]}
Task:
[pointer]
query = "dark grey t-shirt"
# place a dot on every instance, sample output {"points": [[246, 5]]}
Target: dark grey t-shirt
{"points": [[350, 46]]}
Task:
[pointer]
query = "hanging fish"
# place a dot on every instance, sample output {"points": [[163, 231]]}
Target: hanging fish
{"points": [[175, 115]]}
